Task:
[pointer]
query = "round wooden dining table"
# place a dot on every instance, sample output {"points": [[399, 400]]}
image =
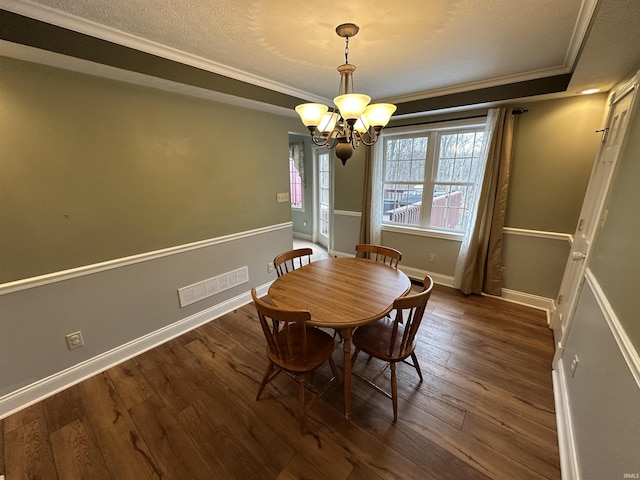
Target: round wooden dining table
{"points": [[341, 293]]}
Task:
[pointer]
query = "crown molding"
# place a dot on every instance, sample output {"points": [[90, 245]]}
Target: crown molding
{"points": [[67, 21]]}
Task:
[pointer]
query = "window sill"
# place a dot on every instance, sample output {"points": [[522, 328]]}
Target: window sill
{"points": [[423, 233]]}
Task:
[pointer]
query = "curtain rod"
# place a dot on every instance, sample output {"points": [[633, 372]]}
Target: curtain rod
{"points": [[515, 111], [437, 121]]}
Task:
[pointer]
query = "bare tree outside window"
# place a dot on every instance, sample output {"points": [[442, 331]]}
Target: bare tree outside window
{"points": [[429, 177]]}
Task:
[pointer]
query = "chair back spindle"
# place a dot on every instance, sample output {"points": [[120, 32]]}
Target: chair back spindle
{"points": [[379, 253], [409, 312], [288, 261], [286, 334]]}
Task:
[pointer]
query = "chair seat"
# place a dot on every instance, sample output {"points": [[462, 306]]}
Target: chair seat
{"points": [[294, 348], [393, 340], [373, 339], [320, 345]]}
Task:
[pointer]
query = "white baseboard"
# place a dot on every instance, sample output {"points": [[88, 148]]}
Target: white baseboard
{"points": [[418, 274], [566, 443], [49, 386], [534, 301], [303, 236], [336, 253]]}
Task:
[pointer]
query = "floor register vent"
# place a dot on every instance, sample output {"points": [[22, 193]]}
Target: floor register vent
{"points": [[211, 286]]}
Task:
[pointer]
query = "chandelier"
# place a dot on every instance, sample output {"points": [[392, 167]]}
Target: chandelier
{"points": [[353, 121]]}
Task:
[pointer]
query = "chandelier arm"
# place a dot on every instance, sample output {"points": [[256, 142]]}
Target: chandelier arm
{"points": [[319, 141], [329, 140], [373, 137]]}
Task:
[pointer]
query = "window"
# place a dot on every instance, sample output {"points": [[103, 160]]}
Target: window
{"points": [[429, 176], [296, 174], [296, 185], [324, 192]]}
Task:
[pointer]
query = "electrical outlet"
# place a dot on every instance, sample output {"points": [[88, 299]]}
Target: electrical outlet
{"points": [[432, 258], [282, 197], [574, 365], [269, 267], [74, 340]]}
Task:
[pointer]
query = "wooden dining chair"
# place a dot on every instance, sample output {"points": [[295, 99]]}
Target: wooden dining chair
{"points": [[294, 348], [292, 259], [393, 340], [379, 253]]}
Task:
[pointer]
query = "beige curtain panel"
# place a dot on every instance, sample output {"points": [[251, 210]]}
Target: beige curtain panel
{"points": [[479, 267], [365, 220]]}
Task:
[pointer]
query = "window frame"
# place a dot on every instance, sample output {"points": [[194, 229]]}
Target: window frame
{"points": [[297, 208], [433, 132]]}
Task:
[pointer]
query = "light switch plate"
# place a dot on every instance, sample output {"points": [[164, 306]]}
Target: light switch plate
{"points": [[282, 197]]}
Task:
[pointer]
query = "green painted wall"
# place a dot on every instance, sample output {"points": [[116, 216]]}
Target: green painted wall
{"points": [[616, 257], [554, 149], [93, 169], [349, 181]]}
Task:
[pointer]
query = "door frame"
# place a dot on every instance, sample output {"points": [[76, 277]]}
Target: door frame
{"points": [[593, 209], [317, 238]]}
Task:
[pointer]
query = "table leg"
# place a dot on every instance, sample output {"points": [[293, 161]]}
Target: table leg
{"points": [[346, 334]]}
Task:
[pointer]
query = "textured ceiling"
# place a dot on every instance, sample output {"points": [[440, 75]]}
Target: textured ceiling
{"points": [[405, 51]]}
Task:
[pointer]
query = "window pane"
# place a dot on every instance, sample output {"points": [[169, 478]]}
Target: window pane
{"points": [[295, 183], [450, 208], [417, 171], [323, 193], [445, 169], [446, 174], [459, 156], [405, 159], [402, 204]]}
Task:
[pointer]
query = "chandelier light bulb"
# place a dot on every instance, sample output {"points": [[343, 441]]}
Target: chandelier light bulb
{"points": [[378, 114], [311, 114], [361, 124], [352, 105], [328, 122]]}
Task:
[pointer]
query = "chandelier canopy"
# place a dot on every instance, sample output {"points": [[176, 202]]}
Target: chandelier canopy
{"points": [[353, 121]]}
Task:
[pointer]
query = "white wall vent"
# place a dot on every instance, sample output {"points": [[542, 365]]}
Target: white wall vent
{"points": [[206, 288]]}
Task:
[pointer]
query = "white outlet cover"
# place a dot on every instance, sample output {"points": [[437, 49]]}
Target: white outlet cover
{"points": [[74, 340]]}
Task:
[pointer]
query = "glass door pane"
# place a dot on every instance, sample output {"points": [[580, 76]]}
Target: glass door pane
{"points": [[323, 196]]}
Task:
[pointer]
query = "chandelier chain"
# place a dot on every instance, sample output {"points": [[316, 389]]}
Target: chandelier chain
{"points": [[346, 50]]}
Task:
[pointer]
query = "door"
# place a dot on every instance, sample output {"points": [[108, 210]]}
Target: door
{"points": [[323, 196], [593, 213]]}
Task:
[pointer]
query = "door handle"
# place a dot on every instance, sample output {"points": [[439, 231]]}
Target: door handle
{"points": [[575, 256]]}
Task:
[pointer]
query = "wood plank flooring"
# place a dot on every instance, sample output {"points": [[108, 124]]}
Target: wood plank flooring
{"points": [[187, 409]]}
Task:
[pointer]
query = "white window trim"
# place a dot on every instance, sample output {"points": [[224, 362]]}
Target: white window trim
{"points": [[474, 122], [423, 232]]}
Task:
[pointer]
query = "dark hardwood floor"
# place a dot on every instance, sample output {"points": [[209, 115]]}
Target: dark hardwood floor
{"points": [[186, 409]]}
